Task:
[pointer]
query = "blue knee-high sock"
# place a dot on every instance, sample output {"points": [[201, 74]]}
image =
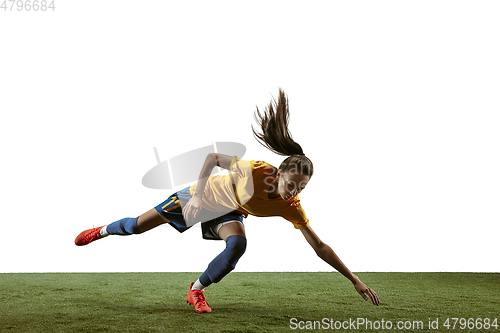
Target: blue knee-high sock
{"points": [[226, 261], [123, 227]]}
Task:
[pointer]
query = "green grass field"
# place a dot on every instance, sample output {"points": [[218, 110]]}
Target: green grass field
{"points": [[243, 302]]}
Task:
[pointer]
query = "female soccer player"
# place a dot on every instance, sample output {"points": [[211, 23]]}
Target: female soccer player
{"points": [[221, 202]]}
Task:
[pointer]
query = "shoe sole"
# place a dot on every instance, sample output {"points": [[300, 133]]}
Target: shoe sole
{"points": [[195, 308]]}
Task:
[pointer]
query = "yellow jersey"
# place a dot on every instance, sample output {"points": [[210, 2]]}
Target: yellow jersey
{"points": [[246, 190]]}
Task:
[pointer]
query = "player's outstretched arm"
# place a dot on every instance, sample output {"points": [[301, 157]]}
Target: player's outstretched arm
{"points": [[326, 253]]}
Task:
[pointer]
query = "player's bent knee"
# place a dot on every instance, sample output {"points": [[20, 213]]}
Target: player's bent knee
{"points": [[237, 246], [226, 261]]}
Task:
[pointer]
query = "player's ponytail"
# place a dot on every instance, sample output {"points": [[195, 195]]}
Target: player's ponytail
{"points": [[276, 137]]}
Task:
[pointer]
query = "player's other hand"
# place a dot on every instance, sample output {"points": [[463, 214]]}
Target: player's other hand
{"points": [[191, 209], [366, 291]]}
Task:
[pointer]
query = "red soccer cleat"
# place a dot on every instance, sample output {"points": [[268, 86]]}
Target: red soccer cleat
{"points": [[196, 298], [88, 236]]}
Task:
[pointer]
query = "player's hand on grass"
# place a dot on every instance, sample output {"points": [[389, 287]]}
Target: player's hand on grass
{"points": [[366, 291], [192, 209]]}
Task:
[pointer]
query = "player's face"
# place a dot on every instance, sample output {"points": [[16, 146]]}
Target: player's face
{"points": [[290, 184]]}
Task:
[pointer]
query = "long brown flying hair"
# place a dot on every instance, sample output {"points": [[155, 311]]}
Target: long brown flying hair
{"points": [[276, 137]]}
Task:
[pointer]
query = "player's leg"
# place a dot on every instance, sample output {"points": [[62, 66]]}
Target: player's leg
{"points": [[128, 226], [133, 225], [229, 229], [233, 233], [149, 220], [123, 227]]}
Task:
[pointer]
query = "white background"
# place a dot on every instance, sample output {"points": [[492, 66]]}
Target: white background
{"points": [[396, 102]]}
